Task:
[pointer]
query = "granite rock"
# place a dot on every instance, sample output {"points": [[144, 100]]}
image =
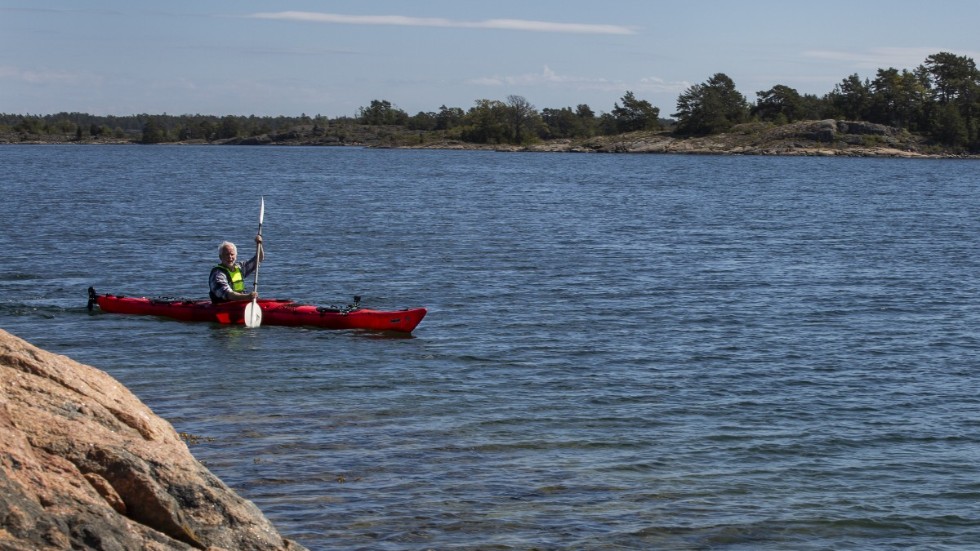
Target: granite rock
{"points": [[84, 464]]}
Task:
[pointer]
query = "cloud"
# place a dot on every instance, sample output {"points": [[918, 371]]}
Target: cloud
{"points": [[406, 21], [880, 58], [548, 77], [40, 76]]}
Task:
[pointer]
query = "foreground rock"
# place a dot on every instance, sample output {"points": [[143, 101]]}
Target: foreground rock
{"points": [[85, 465]]}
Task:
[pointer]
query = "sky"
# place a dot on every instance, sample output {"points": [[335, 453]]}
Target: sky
{"points": [[330, 58]]}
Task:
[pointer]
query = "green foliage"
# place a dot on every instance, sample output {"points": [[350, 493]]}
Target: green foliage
{"points": [[487, 122], [566, 123], [635, 114], [29, 125], [871, 140], [956, 96], [712, 107], [230, 127], [954, 77], [524, 119], [949, 127], [423, 121], [780, 104], [449, 117], [898, 99], [382, 112], [851, 98], [607, 125], [940, 99], [154, 131]]}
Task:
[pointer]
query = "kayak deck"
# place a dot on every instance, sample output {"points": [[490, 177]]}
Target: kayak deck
{"points": [[274, 312]]}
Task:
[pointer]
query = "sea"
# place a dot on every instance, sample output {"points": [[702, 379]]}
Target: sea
{"points": [[622, 351]]}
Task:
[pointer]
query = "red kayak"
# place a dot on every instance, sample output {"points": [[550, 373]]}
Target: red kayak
{"points": [[274, 312]]}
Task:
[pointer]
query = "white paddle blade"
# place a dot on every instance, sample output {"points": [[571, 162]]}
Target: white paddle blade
{"points": [[253, 315], [261, 209]]}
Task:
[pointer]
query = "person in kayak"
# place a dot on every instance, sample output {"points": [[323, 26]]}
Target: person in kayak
{"points": [[227, 279]]}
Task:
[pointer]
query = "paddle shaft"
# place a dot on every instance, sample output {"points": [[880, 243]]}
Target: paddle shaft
{"points": [[253, 313], [258, 247]]}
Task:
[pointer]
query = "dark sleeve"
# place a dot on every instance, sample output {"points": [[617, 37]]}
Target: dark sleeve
{"points": [[249, 267], [218, 282]]}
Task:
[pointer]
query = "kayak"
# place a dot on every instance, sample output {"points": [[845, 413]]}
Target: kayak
{"points": [[274, 312]]}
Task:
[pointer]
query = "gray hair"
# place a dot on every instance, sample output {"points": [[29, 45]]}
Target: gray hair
{"points": [[227, 245]]}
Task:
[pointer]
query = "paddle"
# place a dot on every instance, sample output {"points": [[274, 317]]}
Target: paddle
{"points": [[253, 313]]}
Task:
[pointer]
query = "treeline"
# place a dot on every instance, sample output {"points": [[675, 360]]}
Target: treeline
{"points": [[939, 99], [147, 128]]}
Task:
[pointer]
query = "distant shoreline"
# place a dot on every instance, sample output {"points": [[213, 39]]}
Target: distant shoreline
{"points": [[640, 147], [827, 138]]}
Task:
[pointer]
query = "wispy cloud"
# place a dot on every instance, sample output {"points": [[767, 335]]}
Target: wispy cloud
{"points": [[548, 77], [40, 76], [880, 58], [406, 21]]}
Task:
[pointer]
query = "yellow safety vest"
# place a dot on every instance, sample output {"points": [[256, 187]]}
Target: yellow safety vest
{"points": [[235, 278]]}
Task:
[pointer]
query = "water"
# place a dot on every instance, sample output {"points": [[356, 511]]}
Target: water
{"points": [[622, 352]]}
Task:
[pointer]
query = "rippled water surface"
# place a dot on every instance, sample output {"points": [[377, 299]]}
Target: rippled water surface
{"points": [[621, 351]]}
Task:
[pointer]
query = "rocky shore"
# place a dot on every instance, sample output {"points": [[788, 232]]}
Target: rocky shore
{"points": [[84, 464], [827, 138]]}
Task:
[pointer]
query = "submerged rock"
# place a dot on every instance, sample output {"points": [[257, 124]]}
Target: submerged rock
{"points": [[84, 464]]}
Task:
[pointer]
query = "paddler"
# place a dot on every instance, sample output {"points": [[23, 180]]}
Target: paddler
{"points": [[227, 279]]}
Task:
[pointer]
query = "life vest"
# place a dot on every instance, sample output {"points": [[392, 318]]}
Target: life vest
{"points": [[235, 280]]}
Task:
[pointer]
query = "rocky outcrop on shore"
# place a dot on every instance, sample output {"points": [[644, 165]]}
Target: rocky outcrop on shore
{"points": [[827, 138], [809, 138], [84, 464]]}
